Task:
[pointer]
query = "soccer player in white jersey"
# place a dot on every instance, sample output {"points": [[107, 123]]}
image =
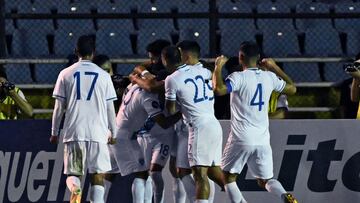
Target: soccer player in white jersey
{"points": [[191, 87], [136, 107], [85, 93], [249, 139]]}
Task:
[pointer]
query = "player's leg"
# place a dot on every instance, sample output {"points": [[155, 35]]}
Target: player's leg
{"points": [[98, 162], [74, 162], [148, 196], [234, 158], [178, 189], [158, 182], [138, 186], [110, 176], [212, 191], [201, 183], [185, 174], [261, 165]]}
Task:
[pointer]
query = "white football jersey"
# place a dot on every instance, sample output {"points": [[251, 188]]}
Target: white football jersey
{"points": [[249, 101], [86, 88], [191, 87], [135, 108]]}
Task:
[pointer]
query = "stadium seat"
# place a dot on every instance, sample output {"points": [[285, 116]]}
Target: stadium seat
{"points": [[293, 3], [76, 7], [124, 69], [14, 43], [197, 30], [152, 29], [322, 42], [18, 73], [47, 73], [113, 37], [76, 25], [19, 6], [40, 6], [234, 32], [304, 24], [34, 34], [158, 6], [192, 6], [302, 72], [234, 7], [281, 43], [65, 42], [107, 6], [334, 72], [9, 26], [347, 23], [352, 43], [266, 24]]}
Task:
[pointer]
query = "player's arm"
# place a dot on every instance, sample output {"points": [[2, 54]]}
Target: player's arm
{"points": [[170, 95], [167, 121], [111, 120], [270, 65], [219, 87], [150, 85], [58, 113]]}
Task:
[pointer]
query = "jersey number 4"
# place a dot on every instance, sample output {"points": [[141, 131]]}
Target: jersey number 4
{"points": [[257, 99], [205, 87], [78, 80]]}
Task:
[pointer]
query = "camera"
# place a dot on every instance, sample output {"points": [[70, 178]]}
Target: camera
{"points": [[8, 86], [352, 67]]}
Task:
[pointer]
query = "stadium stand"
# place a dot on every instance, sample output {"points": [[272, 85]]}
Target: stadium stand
{"points": [[286, 43], [313, 8], [268, 24], [303, 72], [18, 73]]}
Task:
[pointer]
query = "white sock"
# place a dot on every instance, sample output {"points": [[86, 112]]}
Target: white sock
{"points": [[97, 194], [202, 201], [107, 185], [179, 191], [72, 181], [138, 190], [189, 185], [158, 186], [212, 191], [234, 193], [273, 186], [148, 190]]}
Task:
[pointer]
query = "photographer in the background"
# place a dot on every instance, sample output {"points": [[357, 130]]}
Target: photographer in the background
{"points": [[12, 100], [354, 71]]}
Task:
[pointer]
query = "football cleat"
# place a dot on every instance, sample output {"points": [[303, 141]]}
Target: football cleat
{"points": [[75, 195], [288, 198]]}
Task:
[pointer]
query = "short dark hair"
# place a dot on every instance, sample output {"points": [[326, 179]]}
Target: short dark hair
{"points": [[157, 46], [250, 49], [172, 55], [189, 46], [85, 45], [100, 59]]}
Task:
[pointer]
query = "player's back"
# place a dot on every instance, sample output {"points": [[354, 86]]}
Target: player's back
{"points": [[194, 92], [136, 107], [86, 88], [250, 103]]}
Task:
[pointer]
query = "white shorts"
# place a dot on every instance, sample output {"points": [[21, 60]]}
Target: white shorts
{"points": [[182, 159], [129, 156], [156, 150], [205, 143], [86, 154], [258, 158]]}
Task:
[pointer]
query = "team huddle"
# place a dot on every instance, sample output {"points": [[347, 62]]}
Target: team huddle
{"points": [[166, 114]]}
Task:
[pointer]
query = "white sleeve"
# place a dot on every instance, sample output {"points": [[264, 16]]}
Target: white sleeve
{"points": [[58, 113], [278, 83], [170, 89], [110, 91], [111, 117], [59, 89], [235, 81]]}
